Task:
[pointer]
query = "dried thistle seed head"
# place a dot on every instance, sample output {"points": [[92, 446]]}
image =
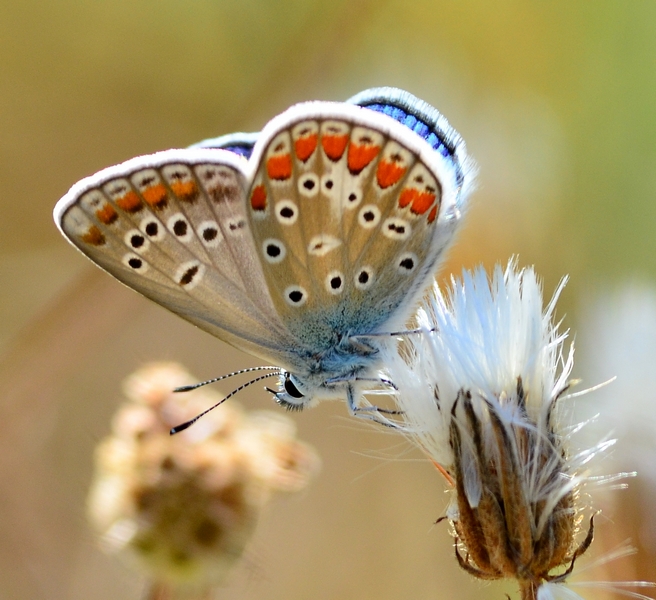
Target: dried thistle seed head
{"points": [[503, 529], [480, 394], [182, 508]]}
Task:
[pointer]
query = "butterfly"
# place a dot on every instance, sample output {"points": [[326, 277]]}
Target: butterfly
{"points": [[303, 244]]}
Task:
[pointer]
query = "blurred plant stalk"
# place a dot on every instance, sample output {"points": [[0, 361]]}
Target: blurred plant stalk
{"points": [[618, 338]]}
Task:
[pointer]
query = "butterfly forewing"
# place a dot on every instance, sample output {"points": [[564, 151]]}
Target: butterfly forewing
{"points": [[345, 218]]}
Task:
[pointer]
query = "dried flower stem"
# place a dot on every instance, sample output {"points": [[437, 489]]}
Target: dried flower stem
{"points": [[528, 590]]}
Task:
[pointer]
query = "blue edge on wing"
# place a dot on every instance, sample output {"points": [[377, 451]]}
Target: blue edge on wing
{"points": [[245, 149], [412, 122], [400, 109]]}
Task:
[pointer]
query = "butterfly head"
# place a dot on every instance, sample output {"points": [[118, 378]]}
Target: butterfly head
{"points": [[295, 393], [291, 393]]}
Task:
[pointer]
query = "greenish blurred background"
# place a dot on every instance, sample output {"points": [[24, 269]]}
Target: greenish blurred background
{"points": [[556, 101]]}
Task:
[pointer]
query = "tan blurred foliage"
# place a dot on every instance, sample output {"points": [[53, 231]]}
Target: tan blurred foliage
{"points": [[555, 101], [181, 509]]}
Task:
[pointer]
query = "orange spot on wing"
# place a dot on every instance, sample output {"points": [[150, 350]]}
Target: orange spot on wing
{"points": [[305, 146], [422, 202], [185, 190], [334, 145], [259, 198], [155, 196], [129, 203], [107, 214], [419, 201], [406, 197], [389, 173], [280, 167], [360, 155], [432, 214], [93, 236]]}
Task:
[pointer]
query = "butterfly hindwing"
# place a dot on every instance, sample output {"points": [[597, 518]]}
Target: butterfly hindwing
{"points": [[176, 232]]}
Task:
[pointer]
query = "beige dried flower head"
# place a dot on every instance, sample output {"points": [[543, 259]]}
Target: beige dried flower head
{"points": [[182, 508], [481, 392]]}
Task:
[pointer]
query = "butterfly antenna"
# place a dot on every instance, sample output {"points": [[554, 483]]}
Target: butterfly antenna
{"points": [[185, 425], [195, 386]]}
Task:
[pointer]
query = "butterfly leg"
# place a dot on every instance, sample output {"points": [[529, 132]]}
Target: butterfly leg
{"points": [[371, 413], [383, 380], [390, 334]]}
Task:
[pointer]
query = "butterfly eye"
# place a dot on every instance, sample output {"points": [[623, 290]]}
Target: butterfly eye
{"points": [[291, 389]]}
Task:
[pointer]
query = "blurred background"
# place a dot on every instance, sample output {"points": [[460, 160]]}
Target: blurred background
{"points": [[557, 103]]}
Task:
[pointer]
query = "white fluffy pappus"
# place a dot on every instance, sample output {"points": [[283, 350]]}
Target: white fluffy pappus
{"points": [[483, 335], [481, 392]]}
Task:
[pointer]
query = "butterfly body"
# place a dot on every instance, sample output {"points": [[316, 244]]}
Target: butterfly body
{"points": [[296, 244]]}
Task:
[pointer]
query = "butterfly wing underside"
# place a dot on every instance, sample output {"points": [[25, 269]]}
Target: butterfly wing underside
{"points": [[173, 227], [349, 213], [331, 228]]}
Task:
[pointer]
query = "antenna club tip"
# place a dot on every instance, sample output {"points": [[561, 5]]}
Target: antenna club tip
{"points": [[179, 428], [184, 388]]}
